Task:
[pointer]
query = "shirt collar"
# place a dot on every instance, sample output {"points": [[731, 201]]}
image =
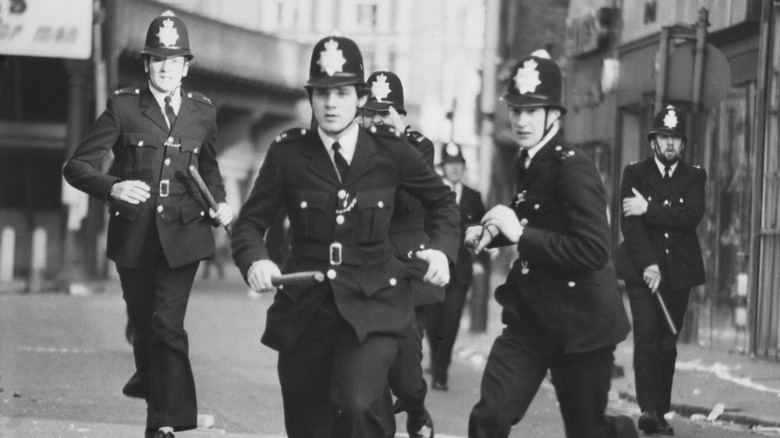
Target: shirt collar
{"points": [[159, 96], [546, 139], [662, 166], [347, 140]]}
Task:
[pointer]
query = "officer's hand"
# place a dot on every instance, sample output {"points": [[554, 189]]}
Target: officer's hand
{"points": [[502, 219], [260, 275], [438, 266], [398, 121], [223, 215], [652, 277], [636, 206], [473, 237], [133, 191]]}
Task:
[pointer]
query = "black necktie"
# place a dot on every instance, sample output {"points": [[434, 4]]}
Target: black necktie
{"points": [[169, 113], [341, 162], [667, 172]]}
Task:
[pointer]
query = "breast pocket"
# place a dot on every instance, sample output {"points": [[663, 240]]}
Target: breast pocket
{"points": [[309, 213], [188, 152], [137, 158], [375, 210]]}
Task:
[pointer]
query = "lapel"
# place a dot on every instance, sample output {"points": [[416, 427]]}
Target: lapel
{"points": [[317, 159], [655, 180], [186, 115], [537, 164], [152, 111], [362, 162]]}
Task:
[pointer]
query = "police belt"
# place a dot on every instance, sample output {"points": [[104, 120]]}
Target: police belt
{"points": [[337, 254], [168, 187]]}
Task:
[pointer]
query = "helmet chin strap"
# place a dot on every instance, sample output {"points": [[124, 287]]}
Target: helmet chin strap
{"points": [[661, 157], [548, 127]]}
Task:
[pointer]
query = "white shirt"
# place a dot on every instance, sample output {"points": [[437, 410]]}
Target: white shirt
{"points": [[532, 151], [662, 167], [348, 142], [160, 98], [456, 187]]}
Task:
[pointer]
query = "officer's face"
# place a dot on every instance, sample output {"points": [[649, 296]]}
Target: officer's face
{"points": [[166, 73], [335, 108], [453, 171], [371, 118], [667, 147], [528, 124]]}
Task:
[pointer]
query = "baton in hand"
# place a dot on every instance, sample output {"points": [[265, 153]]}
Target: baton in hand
{"points": [[298, 278], [206, 193], [665, 311]]}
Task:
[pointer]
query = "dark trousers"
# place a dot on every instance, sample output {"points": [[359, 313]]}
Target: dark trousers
{"points": [[406, 376], [655, 349], [442, 322], [333, 385], [156, 305], [518, 363]]}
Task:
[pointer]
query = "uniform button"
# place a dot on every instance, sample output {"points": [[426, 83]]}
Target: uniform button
{"points": [[167, 161], [304, 204], [649, 198], [140, 142], [137, 91], [392, 282], [572, 284], [422, 246], [667, 251], [202, 213], [340, 219], [523, 222], [681, 200], [170, 139], [666, 235], [373, 129], [331, 274], [116, 213], [159, 208], [380, 204], [195, 151], [342, 194], [303, 131], [536, 206]]}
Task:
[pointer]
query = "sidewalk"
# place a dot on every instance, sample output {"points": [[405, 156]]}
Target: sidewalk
{"points": [[709, 384]]}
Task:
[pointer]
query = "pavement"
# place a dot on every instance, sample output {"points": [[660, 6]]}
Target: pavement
{"points": [[710, 384]]}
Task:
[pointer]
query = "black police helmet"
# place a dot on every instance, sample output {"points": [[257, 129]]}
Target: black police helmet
{"points": [[668, 121], [167, 37], [386, 91], [451, 153], [335, 61], [536, 82]]}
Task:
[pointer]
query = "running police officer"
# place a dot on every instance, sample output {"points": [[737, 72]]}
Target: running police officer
{"points": [[159, 227], [561, 306], [385, 106], [337, 339], [663, 202]]}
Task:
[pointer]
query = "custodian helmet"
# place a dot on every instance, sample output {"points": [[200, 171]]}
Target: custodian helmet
{"points": [[386, 92], [451, 153], [668, 121], [536, 82], [335, 61], [167, 37]]}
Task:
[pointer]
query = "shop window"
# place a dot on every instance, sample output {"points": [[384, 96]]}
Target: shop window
{"points": [[367, 16], [33, 89], [32, 180], [651, 9]]}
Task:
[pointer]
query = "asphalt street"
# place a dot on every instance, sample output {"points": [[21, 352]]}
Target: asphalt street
{"points": [[64, 359]]}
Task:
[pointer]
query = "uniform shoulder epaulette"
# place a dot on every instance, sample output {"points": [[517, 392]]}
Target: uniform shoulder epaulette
{"points": [[415, 136], [290, 135], [385, 131], [127, 90], [563, 153], [198, 97]]}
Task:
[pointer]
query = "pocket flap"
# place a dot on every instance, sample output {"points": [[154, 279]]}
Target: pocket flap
{"points": [[309, 200], [191, 145], [123, 209], [141, 139], [375, 199], [192, 211]]}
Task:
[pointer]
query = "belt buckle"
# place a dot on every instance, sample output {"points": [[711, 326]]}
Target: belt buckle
{"points": [[165, 188], [335, 253]]}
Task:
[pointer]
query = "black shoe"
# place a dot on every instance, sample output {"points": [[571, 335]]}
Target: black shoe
{"points": [[419, 425], [663, 427], [439, 385], [137, 386], [648, 421]]}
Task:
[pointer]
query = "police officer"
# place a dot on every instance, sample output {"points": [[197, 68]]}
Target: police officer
{"points": [[443, 319], [561, 308], [385, 106], [337, 339], [663, 202], [160, 225]]}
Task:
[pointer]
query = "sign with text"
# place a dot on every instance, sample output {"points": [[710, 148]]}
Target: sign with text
{"points": [[48, 28]]}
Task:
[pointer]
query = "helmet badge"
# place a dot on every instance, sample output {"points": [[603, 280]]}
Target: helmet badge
{"points": [[380, 89], [168, 34], [331, 59], [452, 149], [670, 119], [527, 77]]}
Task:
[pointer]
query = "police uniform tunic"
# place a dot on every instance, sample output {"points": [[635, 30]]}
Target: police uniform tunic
{"points": [[560, 300], [341, 229], [665, 235], [156, 244]]}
